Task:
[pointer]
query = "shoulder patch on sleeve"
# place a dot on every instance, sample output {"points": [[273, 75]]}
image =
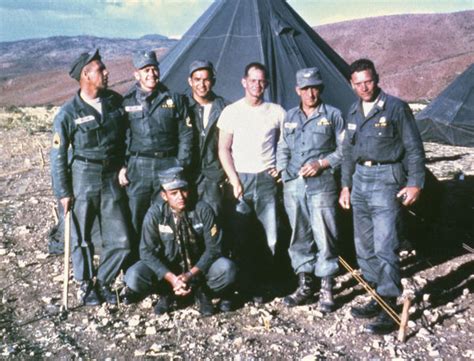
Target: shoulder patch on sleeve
{"points": [[213, 230], [188, 122], [56, 140]]}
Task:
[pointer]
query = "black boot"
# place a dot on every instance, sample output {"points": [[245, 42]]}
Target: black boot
{"points": [[107, 294], [164, 304], [304, 293], [369, 310], [129, 296], [326, 300], [204, 300], [87, 294], [383, 324], [227, 303]]}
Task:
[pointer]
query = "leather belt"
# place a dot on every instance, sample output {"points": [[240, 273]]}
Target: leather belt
{"points": [[372, 163], [154, 154], [103, 162]]}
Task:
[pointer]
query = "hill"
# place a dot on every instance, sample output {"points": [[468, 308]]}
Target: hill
{"points": [[417, 56], [34, 71]]}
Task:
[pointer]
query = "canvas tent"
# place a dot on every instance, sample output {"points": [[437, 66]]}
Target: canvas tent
{"points": [[449, 119], [233, 33]]}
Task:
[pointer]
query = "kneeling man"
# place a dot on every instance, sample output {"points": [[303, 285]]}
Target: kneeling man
{"points": [[180, 252]]}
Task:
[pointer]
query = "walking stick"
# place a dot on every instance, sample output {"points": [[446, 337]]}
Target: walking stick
{"points": [[67, 252], [400, 321]]}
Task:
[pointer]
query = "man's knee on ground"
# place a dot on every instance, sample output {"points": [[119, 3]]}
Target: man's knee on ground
{"points": [[222, 274]]}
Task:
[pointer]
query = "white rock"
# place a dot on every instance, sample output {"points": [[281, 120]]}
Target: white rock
{"points": [[155, 348], [426, 297], [139, 353], [376, 344], [465, 291], [238, 342], [217, 338], [309, 358], [134, 321], [21, 263], [102, 312], [434, 353], [47, 300], [150, 330], [147, 303], [423, 332], [3, 251], [41, 255], [275, 347]]}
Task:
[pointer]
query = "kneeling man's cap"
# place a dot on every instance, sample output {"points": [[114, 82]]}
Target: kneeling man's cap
{"points": [[172, 178], [81, 62], [308, 77], [143, 58], [201, 64]]}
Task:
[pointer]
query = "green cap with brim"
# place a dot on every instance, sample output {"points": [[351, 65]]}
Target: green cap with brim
{"points": [[172, 178], [81, 62]]}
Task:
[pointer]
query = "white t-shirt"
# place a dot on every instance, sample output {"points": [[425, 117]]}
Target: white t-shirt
{"points": [[95, 103], [255, 130], [206, 113]]}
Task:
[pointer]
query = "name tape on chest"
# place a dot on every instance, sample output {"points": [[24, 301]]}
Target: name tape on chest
{"points": [[164, 228], [351, 126], [133, 108], [83, 120], [290, 125]]}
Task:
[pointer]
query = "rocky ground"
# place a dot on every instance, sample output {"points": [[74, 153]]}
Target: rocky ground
{"points": [[438, 275]]}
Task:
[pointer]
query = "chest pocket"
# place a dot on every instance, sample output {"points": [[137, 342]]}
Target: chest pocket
{"points": [[289, 135], [88, 134], [139, 124], [165, 119], [171, 247], [115, 126], [323, 136]]}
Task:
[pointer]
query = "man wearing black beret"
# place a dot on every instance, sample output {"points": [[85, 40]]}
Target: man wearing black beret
{"points": [[92, 125]]}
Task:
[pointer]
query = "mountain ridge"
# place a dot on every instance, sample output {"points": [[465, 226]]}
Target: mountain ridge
{"points": [[417, 56]]}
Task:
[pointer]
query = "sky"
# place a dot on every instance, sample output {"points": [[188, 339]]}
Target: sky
{"points": [[26, 19]]}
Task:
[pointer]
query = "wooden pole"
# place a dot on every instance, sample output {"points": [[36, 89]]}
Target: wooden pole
{"points": [[402, 332], [67, 252]]}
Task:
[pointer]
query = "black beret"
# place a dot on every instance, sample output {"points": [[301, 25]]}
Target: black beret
{"points": [[81, 62]]}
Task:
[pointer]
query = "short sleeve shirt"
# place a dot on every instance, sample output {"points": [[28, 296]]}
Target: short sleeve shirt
{"points": [[255, 131]]}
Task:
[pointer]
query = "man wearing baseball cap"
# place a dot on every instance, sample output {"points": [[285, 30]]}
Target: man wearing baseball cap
{"points": [[92, 126], [205, 107], [180, 252], [308, 152], [159, 136]]}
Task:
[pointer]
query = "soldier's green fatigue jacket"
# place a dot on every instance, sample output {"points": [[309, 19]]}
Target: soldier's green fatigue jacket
{"points": [[97, 146], [160, 249], [206, 169], [159, 136]]}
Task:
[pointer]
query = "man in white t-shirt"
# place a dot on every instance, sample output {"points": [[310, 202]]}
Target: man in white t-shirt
{"points": [[249, 132]]}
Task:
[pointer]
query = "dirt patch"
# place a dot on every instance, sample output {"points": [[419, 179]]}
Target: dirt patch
{"points": [[441, 282]]}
